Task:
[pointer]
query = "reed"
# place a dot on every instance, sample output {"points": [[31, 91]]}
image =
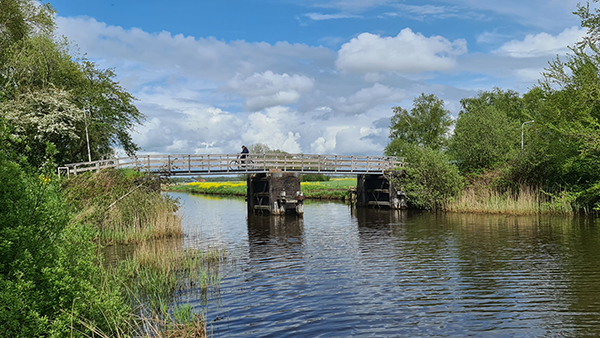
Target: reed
{"points": [[156, 276], [526, 201], [125, 206], [140, 217]]}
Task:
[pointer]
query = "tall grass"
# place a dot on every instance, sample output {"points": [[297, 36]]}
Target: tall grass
{"points": [[526, 201], [141, 217], [125, 206], [154, 281]]}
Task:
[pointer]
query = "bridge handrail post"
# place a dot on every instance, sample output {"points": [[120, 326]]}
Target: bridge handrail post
{"points": [[189, 164], [319, 163], [169, 163]]}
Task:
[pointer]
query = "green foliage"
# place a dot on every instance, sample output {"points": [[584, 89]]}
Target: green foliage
{"points": [[314, 178], [426, 125], [41, 80], [123, 205], [22, 18], [49, 275], [564, 148], [487, 132], [429, 180], [39, 117], [402, 149]]}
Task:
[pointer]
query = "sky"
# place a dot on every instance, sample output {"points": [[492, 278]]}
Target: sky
{"points": [[308, 76]]}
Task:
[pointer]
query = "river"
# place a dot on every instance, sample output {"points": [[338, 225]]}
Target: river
{"points": [[340, 272]]}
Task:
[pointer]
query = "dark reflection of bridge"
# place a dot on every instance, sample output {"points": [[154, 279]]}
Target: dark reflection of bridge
{"points": [[279, 240]]}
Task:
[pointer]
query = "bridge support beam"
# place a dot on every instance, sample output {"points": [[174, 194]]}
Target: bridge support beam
{"points": [[275, 193], [378, 191]]}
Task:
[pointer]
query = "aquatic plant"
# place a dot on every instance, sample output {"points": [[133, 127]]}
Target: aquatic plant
{"points": [[526, 201]]}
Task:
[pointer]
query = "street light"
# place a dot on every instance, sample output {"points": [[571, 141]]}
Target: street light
{"points": [[522, 131], [87, 137]]}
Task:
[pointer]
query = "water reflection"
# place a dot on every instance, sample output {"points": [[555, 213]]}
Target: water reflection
{"points": [[282, 228], [352, 272]]}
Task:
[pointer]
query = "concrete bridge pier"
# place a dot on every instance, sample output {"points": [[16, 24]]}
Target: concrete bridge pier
{"points": [[377, 190], [275, 192]]}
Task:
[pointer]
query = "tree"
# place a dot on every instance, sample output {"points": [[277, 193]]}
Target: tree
{"points": [[426, 125], [34, 62], [19, 19], [487, 132], [429, 178], [46, 115], [569, 115], [259, 148], [49, 274]]}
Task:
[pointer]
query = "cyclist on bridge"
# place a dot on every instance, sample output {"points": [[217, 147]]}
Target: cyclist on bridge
{"points": [[243, 154]]}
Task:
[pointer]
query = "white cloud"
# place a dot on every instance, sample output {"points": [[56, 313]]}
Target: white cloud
{"points": [[273, 128], [163, 54], [263, 90], [542, 44], [369, 97], [347, 5], [406, 53], [321, 17], [529, 74], [205, 95]]}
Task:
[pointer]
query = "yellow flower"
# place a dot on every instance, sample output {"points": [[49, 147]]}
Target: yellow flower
{"points": [[45, 179]]}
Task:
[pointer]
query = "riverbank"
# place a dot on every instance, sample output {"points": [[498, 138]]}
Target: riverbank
{"points": [[127, 207], [473, 199], [334, 189]]}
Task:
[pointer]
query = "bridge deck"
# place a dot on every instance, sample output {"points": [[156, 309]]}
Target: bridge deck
{"points": [[231, 164]]}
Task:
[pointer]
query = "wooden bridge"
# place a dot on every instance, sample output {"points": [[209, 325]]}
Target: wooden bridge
{"points": [[232, 164]]}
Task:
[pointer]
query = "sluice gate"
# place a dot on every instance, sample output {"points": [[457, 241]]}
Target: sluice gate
{"points": [[275, 193], [379, 191]]}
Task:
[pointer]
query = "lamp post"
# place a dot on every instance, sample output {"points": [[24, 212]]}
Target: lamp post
{"points": [[87, 137], [522, 131]]}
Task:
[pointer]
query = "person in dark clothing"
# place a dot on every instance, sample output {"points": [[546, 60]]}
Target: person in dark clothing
{"points": [[243, 154]]}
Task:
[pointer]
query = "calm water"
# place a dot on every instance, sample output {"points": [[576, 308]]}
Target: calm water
{"points": [[340, 272]]}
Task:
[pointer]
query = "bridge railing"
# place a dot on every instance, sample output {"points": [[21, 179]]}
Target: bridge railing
{"points": [[215, 164]]}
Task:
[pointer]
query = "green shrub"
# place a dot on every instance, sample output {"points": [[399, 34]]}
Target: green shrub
{"points": [[49, 274], [314, 178]]}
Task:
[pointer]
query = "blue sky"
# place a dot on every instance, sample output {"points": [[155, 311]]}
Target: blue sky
{"points": [[308, 76]]}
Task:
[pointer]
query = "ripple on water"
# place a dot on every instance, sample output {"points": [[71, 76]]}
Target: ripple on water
{"points": [[340, 272]]}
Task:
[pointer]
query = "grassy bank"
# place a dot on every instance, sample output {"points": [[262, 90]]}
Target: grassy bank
{"points": [[124, 206], [336, 189], [525, 201]]}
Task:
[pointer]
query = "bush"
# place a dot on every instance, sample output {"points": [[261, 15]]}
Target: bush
{"points": [[429, 180], [314, 178], [49, 275]]}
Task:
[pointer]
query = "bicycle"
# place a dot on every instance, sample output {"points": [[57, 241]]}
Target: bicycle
{"points": [[241, 164]]}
